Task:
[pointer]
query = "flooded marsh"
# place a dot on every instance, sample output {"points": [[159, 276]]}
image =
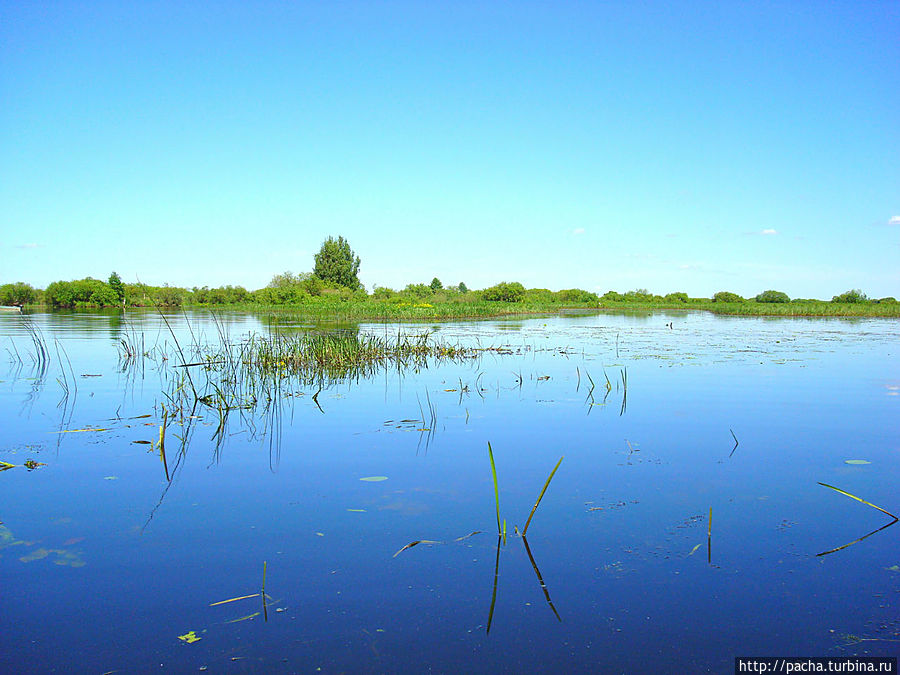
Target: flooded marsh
{"points": [[215, 491]]}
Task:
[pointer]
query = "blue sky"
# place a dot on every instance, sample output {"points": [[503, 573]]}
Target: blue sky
{"points": [[689, 147]]}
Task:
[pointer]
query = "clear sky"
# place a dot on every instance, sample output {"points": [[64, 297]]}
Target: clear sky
{"points": [[673, 146]]}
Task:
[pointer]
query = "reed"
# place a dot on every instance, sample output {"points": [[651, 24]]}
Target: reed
{"points": [[541, 496], [496, 489], [859, 499]]}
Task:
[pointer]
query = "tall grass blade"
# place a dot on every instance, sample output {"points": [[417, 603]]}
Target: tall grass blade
{"points": [[263, 594], [541, 496], [496, 488], [844, 492]]}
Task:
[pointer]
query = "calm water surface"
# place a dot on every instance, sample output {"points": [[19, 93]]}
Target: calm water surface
{"points": [[105, 561]]}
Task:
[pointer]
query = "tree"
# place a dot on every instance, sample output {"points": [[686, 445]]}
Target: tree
{"points": [[855, 295], [115, 283], [17, 294], [505, 292], [336, 263], [772, 296], [727, 296], [463, 288], [436, 285]]}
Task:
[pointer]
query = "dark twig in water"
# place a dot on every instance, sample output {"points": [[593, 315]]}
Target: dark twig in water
{"points": [[494, 591], [540, 578], [856, 541]]}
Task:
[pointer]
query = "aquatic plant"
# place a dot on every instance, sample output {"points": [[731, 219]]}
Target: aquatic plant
{"points": [[540, 497]]}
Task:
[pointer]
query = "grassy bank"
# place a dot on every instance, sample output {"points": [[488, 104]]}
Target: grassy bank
{"points": [[810, 308]]}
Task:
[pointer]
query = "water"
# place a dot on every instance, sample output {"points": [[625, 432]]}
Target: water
{"points": [[105, 563]]}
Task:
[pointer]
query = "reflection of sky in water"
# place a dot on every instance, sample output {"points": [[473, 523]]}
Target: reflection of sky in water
{"points": [[101, 557]]}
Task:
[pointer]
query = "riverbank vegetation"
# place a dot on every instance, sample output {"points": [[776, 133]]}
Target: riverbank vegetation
{"points": [[308, 295], [333, 290]]}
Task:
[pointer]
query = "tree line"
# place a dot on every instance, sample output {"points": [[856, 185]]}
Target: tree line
{"points": [[335, 276]]}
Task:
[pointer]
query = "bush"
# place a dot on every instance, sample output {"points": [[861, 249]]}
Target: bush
{"points": [[727, 296], [577, 295], [18, 294], [79, 293], [855, 295], [504, 292], [772, 296], [887, 301], [612, 296], [540, 295], [639, 295], [677, 297], [383, 293], [418, 291]]}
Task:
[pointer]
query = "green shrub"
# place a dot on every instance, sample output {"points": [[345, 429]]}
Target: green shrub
{"points": [[383, 293], [82, 292], [727, 296], [612, 296], [639, 295], [677, 297], [772, 296], [577, 295], [418, 291], [855, 295], [18, 293], [540, 296], [504, 292]]}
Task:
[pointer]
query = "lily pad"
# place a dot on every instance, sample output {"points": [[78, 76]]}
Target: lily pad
{"points": [[374, 479], [189, 637], [856, 461]]}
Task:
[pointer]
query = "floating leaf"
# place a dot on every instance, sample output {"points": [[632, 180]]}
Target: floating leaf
{"points": [[37, 554], [356, 510], [856, 461], [6, 465], [693, 550], [243, 618], [374, 479], [189, 637], [893, 568], [143, 442], [110, 478]]}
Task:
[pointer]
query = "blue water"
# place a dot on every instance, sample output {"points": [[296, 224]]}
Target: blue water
{"points": [[105, 563]]}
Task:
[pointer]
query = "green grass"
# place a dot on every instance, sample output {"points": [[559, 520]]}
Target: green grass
{"points": [[810, 308]]}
